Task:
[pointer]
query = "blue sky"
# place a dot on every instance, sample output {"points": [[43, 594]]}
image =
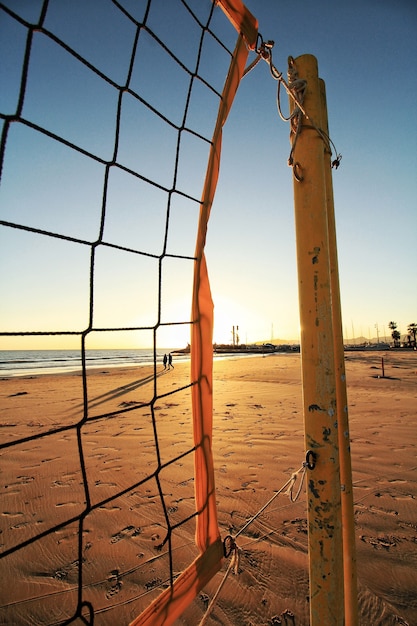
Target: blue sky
{"points": [[366, 54]]}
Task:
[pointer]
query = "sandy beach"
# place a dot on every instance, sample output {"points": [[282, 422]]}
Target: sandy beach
{"points": [[258, 442]]}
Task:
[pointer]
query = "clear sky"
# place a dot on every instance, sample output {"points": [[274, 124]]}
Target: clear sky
{"points": [[367, 56], [366, 53]]}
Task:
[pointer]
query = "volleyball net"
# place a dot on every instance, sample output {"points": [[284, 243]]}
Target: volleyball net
{"points": [[111, 137]]}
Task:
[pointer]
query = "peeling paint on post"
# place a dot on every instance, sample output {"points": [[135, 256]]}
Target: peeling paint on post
{"points": [[348, 521], [317, 360]]}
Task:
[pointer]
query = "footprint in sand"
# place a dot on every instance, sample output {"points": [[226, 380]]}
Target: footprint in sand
{"points": [[110, 507], [151, 584], [9, 514], [63, 572], [66, 481], [115, 584], [22, 480], [19, 525], [380, 542], [287, 615], [128, 531], [99, 483], [184, 483], [298, 524]]}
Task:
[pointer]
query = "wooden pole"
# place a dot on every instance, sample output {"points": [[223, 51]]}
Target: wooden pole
{"points": [[317, 357], [348, 520]]}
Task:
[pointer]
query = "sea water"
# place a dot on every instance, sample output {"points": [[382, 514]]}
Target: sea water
{"points": [[34, 362], [31, 362]]}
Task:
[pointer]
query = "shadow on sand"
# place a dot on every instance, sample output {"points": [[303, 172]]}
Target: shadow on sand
{"points": [[118, 392]]}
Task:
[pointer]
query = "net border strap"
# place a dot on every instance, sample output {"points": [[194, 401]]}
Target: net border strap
{"points": [[242, 19], [174, 600]]}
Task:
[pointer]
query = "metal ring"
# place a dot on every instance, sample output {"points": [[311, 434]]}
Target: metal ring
{"points": [[228, 545], [259, 43], [311, 458], [296, 168]]}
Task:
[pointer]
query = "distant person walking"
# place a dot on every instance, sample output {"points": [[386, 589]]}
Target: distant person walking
{"points": [[165, 359], [170, 361]]}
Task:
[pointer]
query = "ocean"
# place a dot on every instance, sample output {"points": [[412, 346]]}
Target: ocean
{"points": [[34, 362], [31, 362]]}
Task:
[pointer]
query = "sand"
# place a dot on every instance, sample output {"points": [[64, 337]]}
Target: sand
{"points": [[258, 443]]}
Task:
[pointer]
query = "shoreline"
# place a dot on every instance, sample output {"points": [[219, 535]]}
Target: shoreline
{"points": [[180, 356], [77, 369]]}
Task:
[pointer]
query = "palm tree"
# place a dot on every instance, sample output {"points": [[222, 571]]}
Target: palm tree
{"points": [[412, 329], [396, 337], [393, 327]]}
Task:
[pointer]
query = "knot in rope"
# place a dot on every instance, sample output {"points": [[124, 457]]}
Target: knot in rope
{"points": [[292, 481]]}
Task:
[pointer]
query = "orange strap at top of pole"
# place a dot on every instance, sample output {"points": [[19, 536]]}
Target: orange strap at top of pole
{"points": [[242, 19]]}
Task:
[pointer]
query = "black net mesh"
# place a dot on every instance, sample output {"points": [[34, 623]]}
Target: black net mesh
{"points": [[107, 116]]}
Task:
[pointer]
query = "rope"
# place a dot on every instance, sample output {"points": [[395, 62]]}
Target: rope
{"points": [[295, 89], [289, 485], [230, 546], [233, 565]]}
